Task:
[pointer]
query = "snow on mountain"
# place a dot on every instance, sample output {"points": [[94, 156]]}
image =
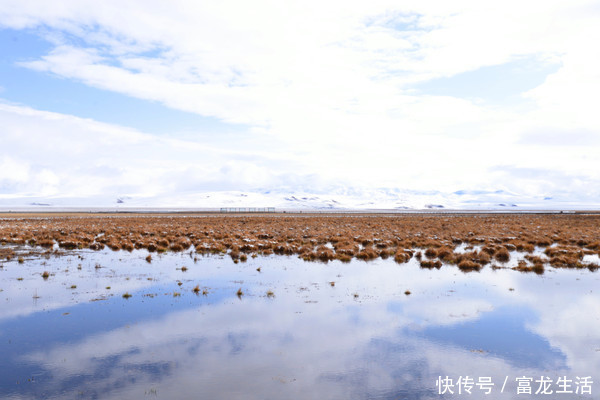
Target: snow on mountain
{"points": [[339, 198]]}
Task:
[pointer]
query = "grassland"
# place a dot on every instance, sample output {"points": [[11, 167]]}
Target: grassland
{"points": [[550, 240]]}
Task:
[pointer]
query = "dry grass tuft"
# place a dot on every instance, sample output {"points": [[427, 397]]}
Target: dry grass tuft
{"points": [[446, 254], [368, 253], [47, 243], [521, 245], [468, 265], [431, 252], [523, 267], [502, 255], [345, 258], [402, 257], [431, 264], [534, 259]]}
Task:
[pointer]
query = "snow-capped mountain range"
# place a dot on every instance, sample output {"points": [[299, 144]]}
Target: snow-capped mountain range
{"points": [[285, 199]]}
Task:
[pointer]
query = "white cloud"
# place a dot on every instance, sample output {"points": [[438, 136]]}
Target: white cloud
{"points": [[330, 82], [50, 154]]}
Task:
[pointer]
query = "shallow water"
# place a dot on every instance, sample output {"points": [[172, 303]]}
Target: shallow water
{"points": [[361, 338]]}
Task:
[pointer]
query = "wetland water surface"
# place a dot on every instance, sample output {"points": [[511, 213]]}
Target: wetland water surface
{"points": [[297, 330]]}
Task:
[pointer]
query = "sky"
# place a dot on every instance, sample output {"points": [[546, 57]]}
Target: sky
{"points": [[154, 99]]}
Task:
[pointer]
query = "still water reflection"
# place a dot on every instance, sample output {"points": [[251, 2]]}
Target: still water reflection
{"points": [[74, 335]]}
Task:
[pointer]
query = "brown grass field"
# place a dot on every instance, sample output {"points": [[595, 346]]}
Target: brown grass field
{"points": [[559, 240]]}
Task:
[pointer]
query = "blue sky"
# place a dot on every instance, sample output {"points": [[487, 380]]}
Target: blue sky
{"points": [[145, 101], [51, 92]]}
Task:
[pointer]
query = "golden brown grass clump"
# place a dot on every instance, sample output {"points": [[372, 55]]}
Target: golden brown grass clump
{"points": [[324, 237], [468, 265], [523, 267], [431, 264], [446, 254], [368, 253], [502, 255], [402, 256], [431, 252]]}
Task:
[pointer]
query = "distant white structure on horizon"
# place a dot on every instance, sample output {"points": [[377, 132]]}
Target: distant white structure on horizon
{"points": [[248, 209]]}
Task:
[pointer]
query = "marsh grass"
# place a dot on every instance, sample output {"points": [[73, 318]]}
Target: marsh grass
{"points": [[523, 267], [565, 238], [468, 265], [445, 254], [431, 252], [502, 255], [429, 264], [593, 267], [46, 243], [402, 257], [345, 258]]}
